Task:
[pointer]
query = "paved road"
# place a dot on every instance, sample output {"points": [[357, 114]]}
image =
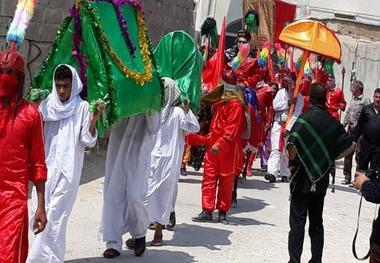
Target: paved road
{"points": [[257, 233]]}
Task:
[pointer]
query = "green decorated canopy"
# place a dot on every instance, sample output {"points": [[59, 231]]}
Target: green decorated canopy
{"points": [[178, 58], [94, 41]]}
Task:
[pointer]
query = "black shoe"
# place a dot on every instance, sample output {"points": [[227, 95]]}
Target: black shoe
{"points": [[223, 218], [234, 204], [284, 179], [111, 253], [172, 221], [183, 171], [270, 177], [204, 216], [130, 243], [140, 245]]}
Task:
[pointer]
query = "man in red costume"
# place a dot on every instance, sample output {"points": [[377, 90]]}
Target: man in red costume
{"points": [[265, 97], [224, 151], [22, 158], [304, 90], [248, 73], [335, 98]]}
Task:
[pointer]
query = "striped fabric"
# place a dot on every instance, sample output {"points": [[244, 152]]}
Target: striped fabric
{"points": [[319, 139]]}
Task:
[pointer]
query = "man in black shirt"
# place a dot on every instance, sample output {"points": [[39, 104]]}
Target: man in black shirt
{"points": [[315, 142], [369, 157], [369, 128]]}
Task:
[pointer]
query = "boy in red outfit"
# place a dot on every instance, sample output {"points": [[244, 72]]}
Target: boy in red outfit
{"points": [[224, 151]]}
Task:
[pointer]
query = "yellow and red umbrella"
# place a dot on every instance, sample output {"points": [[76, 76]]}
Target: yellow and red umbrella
{"points": [[312, 37]]}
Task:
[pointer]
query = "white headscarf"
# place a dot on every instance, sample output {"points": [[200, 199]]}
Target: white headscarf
{"points": [[53, 110], [172, 95]]}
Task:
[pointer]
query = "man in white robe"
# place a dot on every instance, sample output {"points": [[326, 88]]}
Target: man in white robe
{"points": [[68, 128], [167, 157], [278, 160], [125, 184]]}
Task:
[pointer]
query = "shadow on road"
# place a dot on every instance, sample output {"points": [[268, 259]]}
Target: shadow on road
{"points": [[197, 173], [243, 221], [258, 172], [150, 256], [94, 166], [187, 235], [255, 184], [247, 205], [190, 180]]}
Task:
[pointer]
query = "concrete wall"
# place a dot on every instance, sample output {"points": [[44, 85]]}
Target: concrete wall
{"points": [[162, 16]]}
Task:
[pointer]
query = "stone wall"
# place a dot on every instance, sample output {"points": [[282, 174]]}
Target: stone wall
{"points": [[162, 16]]}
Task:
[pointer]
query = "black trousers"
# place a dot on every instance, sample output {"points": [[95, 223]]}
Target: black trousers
{"points": [[369, 156], [234, 191], [347, 168], [374, 256], [301, 207]]}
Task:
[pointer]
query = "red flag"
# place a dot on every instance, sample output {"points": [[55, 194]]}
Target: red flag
{"points": [[213, 69], [270, 68]]}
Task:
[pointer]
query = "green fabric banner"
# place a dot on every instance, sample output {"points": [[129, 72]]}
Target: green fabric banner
{"points": [[105, 81], [178, 58]]}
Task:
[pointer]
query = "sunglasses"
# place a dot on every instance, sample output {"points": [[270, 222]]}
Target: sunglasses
{"points": [[242, 42]]}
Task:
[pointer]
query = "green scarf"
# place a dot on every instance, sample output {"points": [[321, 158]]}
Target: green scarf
{"points": [[319, 139]]}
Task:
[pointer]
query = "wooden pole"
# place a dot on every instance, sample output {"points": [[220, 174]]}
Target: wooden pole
{"points": [[305, 56]]}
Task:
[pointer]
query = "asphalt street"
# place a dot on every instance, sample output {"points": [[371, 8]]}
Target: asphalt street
{"points": [[257, 232]]}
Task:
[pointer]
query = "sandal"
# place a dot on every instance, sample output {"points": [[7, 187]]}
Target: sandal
{"points": [[157, 241], [153, 227], [111, 253]]}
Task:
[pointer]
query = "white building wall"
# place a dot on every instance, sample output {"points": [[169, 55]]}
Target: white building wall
{"points": [[365, 11], [231, 9]]}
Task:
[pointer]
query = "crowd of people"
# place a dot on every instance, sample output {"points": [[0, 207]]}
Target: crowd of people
{"points": [[248, 114], [300, 148]]}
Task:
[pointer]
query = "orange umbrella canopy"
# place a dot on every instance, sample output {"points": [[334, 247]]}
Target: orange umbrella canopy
{"points": [[312, 36]]}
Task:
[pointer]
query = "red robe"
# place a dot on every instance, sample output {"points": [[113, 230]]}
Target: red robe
{"points": [[248, 72], [226, 130], [22, 158], [320, 76], [265, 98], [304, 90], [255, 137], [335, 101]]}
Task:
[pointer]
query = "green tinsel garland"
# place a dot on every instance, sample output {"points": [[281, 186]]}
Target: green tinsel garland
{"points": [[35, 93], [110, 103], [109, 98]]}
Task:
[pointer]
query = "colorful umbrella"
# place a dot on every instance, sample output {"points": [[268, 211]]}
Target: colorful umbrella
{"points": [[312, 37]]}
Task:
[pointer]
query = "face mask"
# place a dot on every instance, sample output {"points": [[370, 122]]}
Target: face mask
{"points": [[9, 85]]}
